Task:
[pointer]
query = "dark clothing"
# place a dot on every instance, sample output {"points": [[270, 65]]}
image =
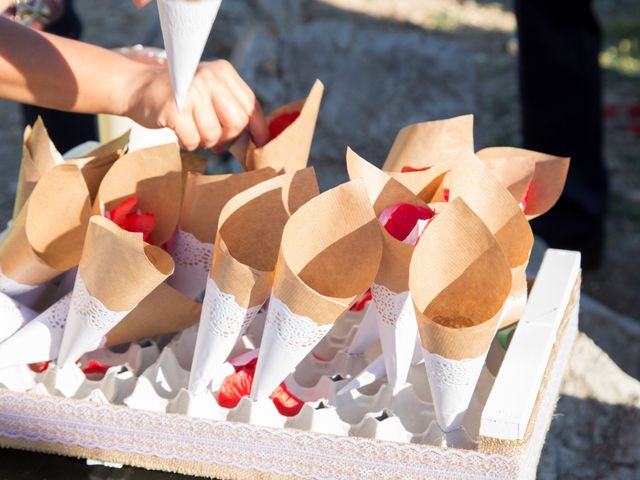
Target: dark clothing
{"points": [[561, 94], [65, 129]]}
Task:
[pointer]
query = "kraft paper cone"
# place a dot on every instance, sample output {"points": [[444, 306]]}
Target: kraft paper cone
{"points": [[47, 236], [186, 25], [547, 183], [459, 279], [315, 281], [95, 165], [154, 175], [289, 151], [165, 310], [38, 340], [204, 198], [39, 155], [491, 201], [245, 255], [425, 184], [515, 173], [117, 271], [13, 316], [425, 144]]}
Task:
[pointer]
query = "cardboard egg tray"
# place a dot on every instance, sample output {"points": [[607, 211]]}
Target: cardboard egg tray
{"points": [[140, 412]]}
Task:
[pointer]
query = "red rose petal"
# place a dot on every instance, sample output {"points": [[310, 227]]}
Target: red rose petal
{"points": [[445, 194], [403, 218], [281, 122], [525, 198], [93, 367], [285, 402], [634, 110], [39, 367], [361, 302], [236, 386], [125, 207], [140, 222], [408, 169]]}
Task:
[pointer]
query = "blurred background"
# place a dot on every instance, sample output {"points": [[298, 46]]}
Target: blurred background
{"points": [[388, 63]]}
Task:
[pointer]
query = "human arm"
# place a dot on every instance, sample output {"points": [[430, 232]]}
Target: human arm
{"points": [[63, 74]]}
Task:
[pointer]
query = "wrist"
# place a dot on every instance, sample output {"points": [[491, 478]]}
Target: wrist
{"points": [[130, 85]]}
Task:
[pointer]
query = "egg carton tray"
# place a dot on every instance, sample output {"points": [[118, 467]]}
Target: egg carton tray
{"points": [[140, 412]]}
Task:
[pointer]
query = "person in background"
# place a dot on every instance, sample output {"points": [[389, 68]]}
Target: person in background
{"points": [[42, 69], [58, 17], [561, 94]]}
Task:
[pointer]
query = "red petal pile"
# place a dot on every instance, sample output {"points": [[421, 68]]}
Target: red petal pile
{"points": [[93, 367], [281, 122], [399, 220], [238, 385], [39, 367], [362, 301], [138, 221]]}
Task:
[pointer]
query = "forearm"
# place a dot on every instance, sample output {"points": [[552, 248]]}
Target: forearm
{"points": [[63, 74]]}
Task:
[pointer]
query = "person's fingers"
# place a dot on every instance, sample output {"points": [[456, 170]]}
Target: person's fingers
{"points": [[186, 131], [258, 126], [232, 117], [207, 124], [140, 3]]}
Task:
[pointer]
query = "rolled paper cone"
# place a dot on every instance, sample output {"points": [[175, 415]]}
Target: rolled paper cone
{"points": [[154, 175], [396, 318], [246, 250], [14, 315], [204, 198], [39, 339], [165, 310], [459, 279], [425, 144], [39, 155], [424, 184], [289, 151], [46, 237], [315, 281], [95, 164], [515, 173], [372, 372], [117, 271], [472, 181], [547, 183], [186, 25]]}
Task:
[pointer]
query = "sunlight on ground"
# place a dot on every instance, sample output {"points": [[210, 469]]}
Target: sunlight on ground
{"points": [[435, 14]]}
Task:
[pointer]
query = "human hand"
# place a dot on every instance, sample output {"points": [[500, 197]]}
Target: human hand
{"points": [[140, 3], [218, 108]]}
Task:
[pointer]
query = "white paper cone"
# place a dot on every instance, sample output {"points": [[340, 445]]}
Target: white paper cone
{"points": [[372, 372], [13, 316], [286, 340], [39, 340], [222, 321], [398, 331], [452, 383], [186, 25], [193, 260], [367, 333], [87, 324]]}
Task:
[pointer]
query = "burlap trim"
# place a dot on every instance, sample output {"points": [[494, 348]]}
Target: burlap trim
{"points": [[515, 447]]}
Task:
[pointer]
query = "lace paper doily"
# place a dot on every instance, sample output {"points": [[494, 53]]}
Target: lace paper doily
{"points": [[225, 318], [295, 332], [393, 307], [92, 311], [190, 253], [460, 374]]}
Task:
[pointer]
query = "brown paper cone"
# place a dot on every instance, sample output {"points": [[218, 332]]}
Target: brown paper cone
{"points": [[490, 200], [47, 236], [289, 151], [459, 279], [315, 279], [39, 155], [155, 176], [250, 234], [206, 195], [164, 310], [117, 271], [548, 180], [118, 268], [241, 275], [515, 173], [428, 143], [96, 164]]}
